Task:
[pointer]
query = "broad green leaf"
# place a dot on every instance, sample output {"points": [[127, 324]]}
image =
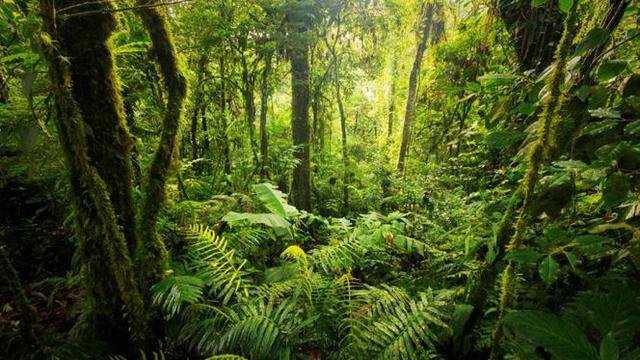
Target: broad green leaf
{"points": [[274, 200], [600, 127], [609, 349], [536, 3], [615, 189], [526, 108], [523, 256], [274, 221], [572, 258], [591, 243], [605, 113], [594, 38], [561, 338], [632, 128], [548, 270], [565, 5], [611, 68]]}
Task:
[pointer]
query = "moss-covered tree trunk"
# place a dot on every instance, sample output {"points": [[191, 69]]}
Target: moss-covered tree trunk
{"points": [[391, 116], [410, 110], [4, 86], [224, 138], [109, 281], [301, 182], [86, 40], [151, 253], [248, 86], [264, 108]]}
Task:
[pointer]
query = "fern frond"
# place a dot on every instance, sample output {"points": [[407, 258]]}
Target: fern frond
{"points": [[218, 265], [174, 291], [392, 325]]}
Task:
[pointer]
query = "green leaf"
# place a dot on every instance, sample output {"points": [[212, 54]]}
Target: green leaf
{"points": [[526, 108], [600, 127], [615, 189], [605, 113], [609, 349], [548, 270], [565, 5], [523, 256], [594, 38], [274, 200], [572, 258], [561, 338], [632, 128], [611, 68], [591, 243], [537, 3], [274, 221]]}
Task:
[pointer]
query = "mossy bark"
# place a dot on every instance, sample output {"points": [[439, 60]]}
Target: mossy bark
{"points": [[86, 39], [410, 110], [151, 253], [264, 107], [108, 276], [551, 107], [299, 58]]}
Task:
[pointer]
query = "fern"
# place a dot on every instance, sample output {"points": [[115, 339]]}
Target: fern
{"points": [[261, 329], [174, 291], [392, 325], [218, 265]]}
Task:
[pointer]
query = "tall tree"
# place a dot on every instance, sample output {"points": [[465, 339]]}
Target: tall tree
{"points": [[298, 48], [95, 143], [151, 253], [410, 110]]}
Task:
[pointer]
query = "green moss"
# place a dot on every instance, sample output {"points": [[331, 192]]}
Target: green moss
{"points": [[109, 280], [151, 253], [551, 106]]}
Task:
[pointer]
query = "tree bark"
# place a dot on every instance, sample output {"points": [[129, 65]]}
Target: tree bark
{"points": [[223, 119], [410, 111], [264, 99], [301, 185], [151, 253], [392, 96], [248, 85], [109, 281]]}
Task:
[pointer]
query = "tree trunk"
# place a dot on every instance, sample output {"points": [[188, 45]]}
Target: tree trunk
{"points": [[264, 99], [223, 120], [410, 111], [301, 185], [392, 97], [198, 104], [108, 277], [4, 87], [248, 84], [151, 253]]}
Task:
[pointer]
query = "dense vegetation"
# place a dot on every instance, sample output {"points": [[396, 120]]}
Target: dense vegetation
{"points": [[309, 179]]}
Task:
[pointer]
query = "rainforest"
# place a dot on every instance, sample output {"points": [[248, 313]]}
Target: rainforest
{"points": [[320, 179]]}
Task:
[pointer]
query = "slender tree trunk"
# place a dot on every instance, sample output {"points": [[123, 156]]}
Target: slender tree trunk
{"points": [[410, 111], [151, 253], [223, 119], [264, 102], [4, 87], [248, 84], [392, 96], [27, 314], [301, 184], [198, 104], [343, 125]]}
